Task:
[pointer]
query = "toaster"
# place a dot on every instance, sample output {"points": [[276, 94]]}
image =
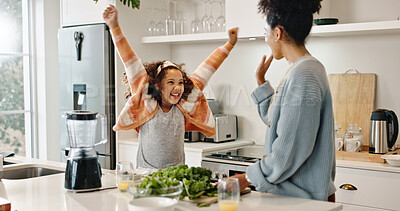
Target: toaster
{"points": [[225, 128]]}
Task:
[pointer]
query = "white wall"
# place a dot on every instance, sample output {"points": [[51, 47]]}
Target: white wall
{"points": [[233, 83], [134, 25], [368, 54]]}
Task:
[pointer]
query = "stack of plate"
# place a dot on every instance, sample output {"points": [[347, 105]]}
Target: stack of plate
{"points": [[393, 160], [326, 21]]}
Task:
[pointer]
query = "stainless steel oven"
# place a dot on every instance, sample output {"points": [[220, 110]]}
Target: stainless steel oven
{"points": [[229, 162]]}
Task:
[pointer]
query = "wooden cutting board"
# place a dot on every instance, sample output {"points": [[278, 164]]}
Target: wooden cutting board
{"points": [[353, 96]]}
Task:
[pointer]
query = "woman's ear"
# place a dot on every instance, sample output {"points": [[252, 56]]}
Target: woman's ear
{"points": [[278, 33]]}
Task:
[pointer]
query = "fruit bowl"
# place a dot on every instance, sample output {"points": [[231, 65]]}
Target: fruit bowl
{"points": [[173, 191]]}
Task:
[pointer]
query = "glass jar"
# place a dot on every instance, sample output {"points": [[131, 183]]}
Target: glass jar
{"points": [[338, 138], [353, 139]]}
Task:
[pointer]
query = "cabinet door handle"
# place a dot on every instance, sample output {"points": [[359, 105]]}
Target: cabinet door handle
{"points": [[348, 187]]}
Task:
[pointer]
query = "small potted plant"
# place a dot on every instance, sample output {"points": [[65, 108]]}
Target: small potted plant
{"points": [[133, 3]]}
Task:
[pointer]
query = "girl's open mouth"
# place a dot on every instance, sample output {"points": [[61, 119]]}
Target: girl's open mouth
{"points": [[176, 96]]}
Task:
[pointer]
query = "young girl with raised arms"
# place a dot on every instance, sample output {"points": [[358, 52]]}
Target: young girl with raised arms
{"points": [[163, 102]]}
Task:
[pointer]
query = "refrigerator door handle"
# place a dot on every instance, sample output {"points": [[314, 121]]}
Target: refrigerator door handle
{"points": [[78, 36]]}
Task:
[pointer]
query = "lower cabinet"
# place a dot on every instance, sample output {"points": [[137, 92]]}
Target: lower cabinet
{"points": [[375, 189], [128, 152], [349, 207]]}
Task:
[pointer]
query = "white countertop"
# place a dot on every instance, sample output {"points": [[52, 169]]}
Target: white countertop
{"points": [[48, 193], [201, 146]]}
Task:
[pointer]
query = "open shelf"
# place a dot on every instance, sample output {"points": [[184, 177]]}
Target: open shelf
{"points": [[217, 36], [356, 28], [347, 29]]}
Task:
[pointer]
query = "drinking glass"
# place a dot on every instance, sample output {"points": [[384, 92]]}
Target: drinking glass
{"points": [[125, 174], [228, 194], [174, 19], [220, 22], [168, 19], [180, 24]]}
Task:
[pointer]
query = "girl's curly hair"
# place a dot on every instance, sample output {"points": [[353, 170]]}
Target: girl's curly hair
{"points": [[295, 16], [151, 69]]}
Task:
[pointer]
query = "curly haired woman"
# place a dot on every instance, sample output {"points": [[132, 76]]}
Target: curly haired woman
{"points": [[299, 140]]}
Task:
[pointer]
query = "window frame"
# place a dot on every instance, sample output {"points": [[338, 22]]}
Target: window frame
{"points": [[27, 55]]}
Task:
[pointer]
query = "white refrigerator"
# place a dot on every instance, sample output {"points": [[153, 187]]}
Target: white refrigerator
{"points": [[86, 75]]}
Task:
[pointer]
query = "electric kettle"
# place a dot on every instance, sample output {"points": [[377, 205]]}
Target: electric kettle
{"points": [[384, 131]]}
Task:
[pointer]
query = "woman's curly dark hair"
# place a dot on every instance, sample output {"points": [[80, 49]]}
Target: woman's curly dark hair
{"points": [[295, 16], [151, 69]]}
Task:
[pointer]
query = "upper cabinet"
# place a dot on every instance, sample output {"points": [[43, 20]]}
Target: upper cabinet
{"points": [[79, 12], [244, 14]]}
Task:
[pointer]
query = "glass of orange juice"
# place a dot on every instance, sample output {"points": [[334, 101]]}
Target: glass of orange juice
{"points": [[228, 194], [124, 175]]}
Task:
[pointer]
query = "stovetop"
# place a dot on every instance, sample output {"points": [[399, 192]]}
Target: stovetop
{"points": [[249, 154]]}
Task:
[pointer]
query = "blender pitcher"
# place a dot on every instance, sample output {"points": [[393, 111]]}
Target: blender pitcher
{"points": [[83, 171]]}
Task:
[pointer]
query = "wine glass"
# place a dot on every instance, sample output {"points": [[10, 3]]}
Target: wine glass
{"points": [[160, 25], [220, 22], [151, 27], [211, 20], [228, 194], [204, 20], [195, 25], [124, 175]]}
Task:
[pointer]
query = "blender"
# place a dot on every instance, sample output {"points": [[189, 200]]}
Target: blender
{"points": [[83, 171]]}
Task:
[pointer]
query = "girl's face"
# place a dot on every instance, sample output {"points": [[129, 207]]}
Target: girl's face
{"points": [[171, 87]]}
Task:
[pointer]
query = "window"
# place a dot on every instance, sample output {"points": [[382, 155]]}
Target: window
{"points": [[15, 77]]}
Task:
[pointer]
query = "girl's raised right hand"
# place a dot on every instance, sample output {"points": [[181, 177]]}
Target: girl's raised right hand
{"points": [[233, 34], [262, 69], [110, 16]]}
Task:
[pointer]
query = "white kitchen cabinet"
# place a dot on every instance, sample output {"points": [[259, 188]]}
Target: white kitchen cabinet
{"points": [[244, 14], [78, 12], [193, 158], [375, 189], [127, 152], [349, 207]]}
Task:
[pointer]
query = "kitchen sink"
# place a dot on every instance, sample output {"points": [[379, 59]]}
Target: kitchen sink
{"points": [[28, 171], [7, 163]]}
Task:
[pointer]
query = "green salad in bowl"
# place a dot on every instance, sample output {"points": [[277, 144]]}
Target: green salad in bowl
{"points": [[175, 182]]}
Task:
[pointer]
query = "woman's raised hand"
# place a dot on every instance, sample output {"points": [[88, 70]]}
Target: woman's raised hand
{"points": [[262, 69], [233, 34], [110, 16]]}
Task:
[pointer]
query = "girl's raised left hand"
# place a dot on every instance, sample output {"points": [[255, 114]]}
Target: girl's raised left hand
{"points": [[233, 34]]}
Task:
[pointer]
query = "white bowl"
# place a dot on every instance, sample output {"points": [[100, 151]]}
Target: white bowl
{"points": [[153, 204], [393, 160]]}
